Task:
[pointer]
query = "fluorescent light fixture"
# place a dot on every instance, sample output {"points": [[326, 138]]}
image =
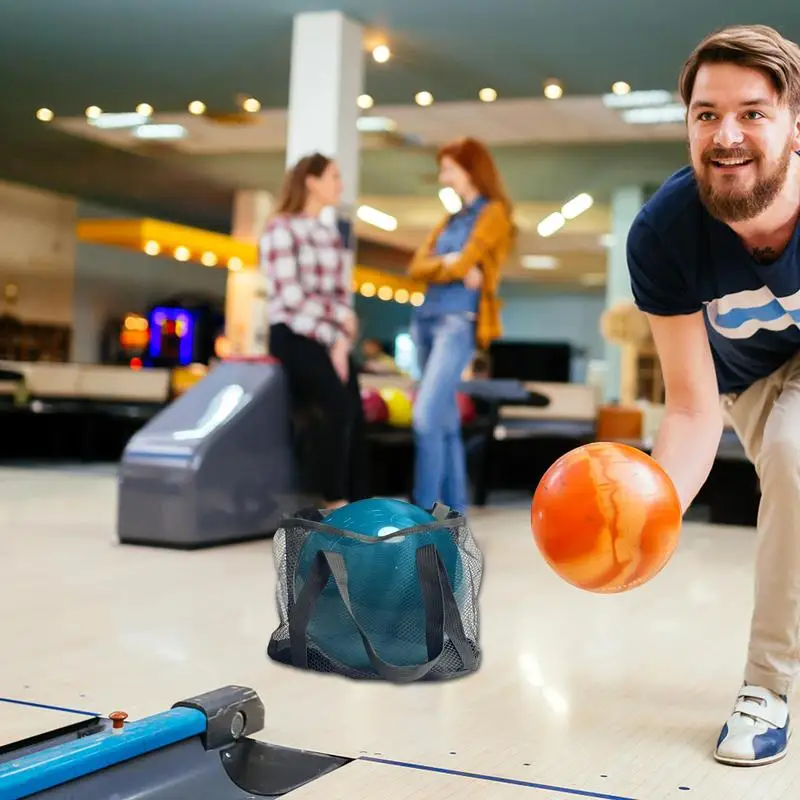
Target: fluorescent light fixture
{"points": [[654, 97], [379, 219], [119, 121], [572, 208], [376, 125], [550, 224], [450, 200], [608, 240], [593, 279], [160, 132], [539, 262], [674, 112]]}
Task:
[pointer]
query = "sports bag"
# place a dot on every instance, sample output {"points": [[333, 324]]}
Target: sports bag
{"points": [[400, 607]]}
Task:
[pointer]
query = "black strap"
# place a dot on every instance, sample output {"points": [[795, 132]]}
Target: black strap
{"points": [[441, 615]]}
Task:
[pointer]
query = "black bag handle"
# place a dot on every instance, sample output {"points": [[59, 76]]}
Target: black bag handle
{"points": [[441, 614]]}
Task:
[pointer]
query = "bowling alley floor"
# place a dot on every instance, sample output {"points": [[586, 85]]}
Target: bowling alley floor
{"points": [[578, 695]]}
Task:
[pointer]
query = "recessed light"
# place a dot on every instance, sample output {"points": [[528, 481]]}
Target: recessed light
{"points": [[417, 299], [550, 224], [251, 105], [381, 53], [235, 263], [553, 89], [152, 248], [385, 293], [144, 109], [197, 107], [367, 289], [365, 101], [44, 115], [93, 112], [423, 98], [208, 259], [572, 208], [488, 95], [539, 262], [160, 132], [401, 296], [182, 253], [620, 88]]}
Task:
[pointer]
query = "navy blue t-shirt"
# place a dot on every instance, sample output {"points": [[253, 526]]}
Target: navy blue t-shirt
{"points": [[683, 260]]}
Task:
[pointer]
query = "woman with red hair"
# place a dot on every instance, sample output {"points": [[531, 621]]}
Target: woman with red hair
{"points": [[460, 262]]}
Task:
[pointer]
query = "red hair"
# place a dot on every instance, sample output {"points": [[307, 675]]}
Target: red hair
{"points": [[474, 158]]}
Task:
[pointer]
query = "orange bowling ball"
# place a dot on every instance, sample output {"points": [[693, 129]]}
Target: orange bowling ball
{"points": [[606, 517]]}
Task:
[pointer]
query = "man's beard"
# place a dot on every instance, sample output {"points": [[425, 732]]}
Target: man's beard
{"points": [[738, 206]]}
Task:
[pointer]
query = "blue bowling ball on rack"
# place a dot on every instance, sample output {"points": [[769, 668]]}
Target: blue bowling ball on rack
{"points": [[383, 585]]}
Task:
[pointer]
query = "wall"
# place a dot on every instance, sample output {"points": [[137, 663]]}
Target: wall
{"points": [[529, 313], [37, 253], [110, 281]]}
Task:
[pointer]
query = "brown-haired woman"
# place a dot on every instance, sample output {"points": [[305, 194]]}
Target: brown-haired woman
{"points": [[313, 325], [460, 262]]}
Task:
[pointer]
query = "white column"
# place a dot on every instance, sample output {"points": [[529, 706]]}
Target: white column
{"points": [[327, 76], [626, 203], [246, 312]]}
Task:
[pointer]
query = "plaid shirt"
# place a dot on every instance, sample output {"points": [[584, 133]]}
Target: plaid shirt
{"points": [[308, 284]]}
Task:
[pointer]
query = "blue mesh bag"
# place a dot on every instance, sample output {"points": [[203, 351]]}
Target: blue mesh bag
{"points": [[378, 589]]}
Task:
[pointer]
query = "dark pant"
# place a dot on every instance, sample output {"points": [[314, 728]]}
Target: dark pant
{"points": [[330, 414]]}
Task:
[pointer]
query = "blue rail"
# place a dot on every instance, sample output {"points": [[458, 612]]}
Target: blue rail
{"points": [[23, 777]]}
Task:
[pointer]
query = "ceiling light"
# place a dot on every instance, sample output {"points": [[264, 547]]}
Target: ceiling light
{"points": [[379, 219], [118, 121], [620, 88], [401, 296], [376, 125], [251, 105], [385, 293], [539, 262], [593, 279], [182, 253], [235, 263], [152, 248], [208, 259], [553, 89], [367, 289], [423, 98], [197, 107], [145, 109], [450, 200], [417, 299], [487, 95], [637, 99], [93, 112], [381, 53], [160, 132], [44, 115], [365, 101], [550, 224], [577, 205], [674, 112]]}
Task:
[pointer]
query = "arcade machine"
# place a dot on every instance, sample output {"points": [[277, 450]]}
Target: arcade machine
{"points": [[200, 749], [215, 466]]}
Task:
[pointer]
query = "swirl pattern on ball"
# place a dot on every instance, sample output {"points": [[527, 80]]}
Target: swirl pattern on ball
{"points": [[606, 517]]}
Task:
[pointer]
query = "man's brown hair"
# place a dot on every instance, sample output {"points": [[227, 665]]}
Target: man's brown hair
{"points": [[755, 46]]}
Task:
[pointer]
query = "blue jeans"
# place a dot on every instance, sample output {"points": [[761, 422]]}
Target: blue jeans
{"points": [[445, 345]]}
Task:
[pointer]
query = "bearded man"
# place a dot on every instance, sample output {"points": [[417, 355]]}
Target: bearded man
{"points": [[714, 261]]}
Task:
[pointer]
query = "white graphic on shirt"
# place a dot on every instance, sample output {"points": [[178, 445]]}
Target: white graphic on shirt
{"points": [[740, 315]]}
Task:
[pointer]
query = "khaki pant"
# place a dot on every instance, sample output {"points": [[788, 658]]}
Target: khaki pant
{"points": [[766, 418]]}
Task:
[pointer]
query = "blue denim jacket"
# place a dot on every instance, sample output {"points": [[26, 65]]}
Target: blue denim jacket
{"points": [[449, 298]]}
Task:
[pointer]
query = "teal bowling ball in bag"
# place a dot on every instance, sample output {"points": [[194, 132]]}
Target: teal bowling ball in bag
{"points": [[382, 579]]}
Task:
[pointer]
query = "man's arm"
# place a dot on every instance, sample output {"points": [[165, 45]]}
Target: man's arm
{"points": [[690, 431]]}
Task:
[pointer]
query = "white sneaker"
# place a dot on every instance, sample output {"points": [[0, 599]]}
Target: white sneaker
{"points": [[757, 731]]}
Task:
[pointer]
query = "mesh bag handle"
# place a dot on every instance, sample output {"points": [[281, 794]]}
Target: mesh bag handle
{"points": [[441, 614]]}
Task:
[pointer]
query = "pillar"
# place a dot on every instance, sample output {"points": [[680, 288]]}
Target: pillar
{"points": [[327, 76], [246, 311], [626, 203]]}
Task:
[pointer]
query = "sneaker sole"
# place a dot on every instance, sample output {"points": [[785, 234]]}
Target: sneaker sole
{"points": [[749, 762]]}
